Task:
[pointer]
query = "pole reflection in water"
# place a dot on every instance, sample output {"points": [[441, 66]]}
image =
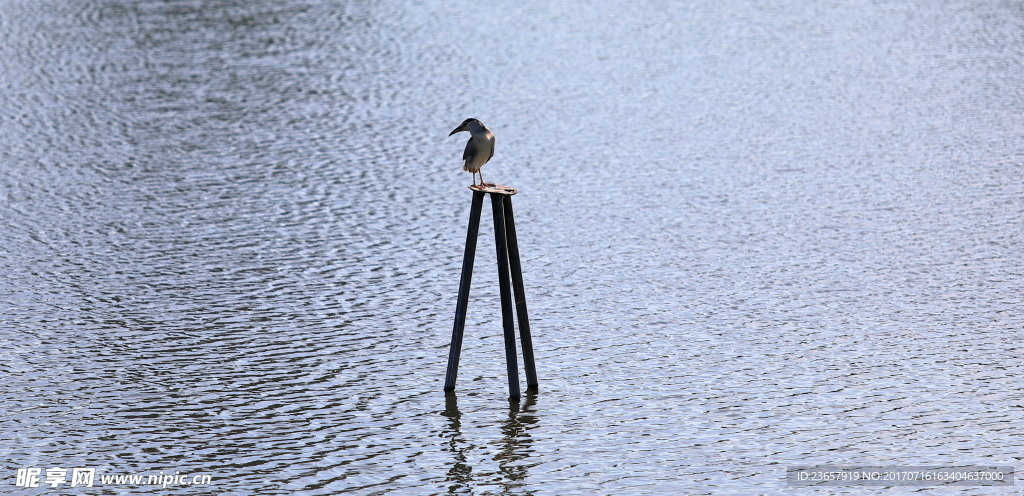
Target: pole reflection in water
{"points": [[516, 441], [460, 473], [514, 447]]}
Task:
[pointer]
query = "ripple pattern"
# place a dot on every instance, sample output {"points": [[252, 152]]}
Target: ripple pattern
{"points": [[755, 235]]}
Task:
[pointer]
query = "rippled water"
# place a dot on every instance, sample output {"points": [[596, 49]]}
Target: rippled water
{"points": [[755, 234]]}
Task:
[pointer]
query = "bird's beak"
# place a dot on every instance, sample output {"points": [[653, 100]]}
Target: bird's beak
{"points": [[460, 128]]}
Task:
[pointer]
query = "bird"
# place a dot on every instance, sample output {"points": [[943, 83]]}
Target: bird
{"points": [[479, 149]]}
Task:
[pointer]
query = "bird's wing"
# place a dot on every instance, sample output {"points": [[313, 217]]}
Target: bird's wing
{"points": [[470, 150]]}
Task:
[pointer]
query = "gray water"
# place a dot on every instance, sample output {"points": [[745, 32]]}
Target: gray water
{"points": [[755, 234]]}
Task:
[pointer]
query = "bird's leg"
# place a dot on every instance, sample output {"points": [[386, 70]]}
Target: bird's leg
{"points": [[482, 183]]}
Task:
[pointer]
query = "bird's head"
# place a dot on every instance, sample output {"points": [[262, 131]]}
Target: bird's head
{"points": [[465, 126]]}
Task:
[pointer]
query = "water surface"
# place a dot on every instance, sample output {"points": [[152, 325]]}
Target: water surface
{"points": [[754, 235]]}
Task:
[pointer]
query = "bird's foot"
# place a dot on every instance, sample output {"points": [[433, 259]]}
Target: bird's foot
{"points": [[489, 185]]}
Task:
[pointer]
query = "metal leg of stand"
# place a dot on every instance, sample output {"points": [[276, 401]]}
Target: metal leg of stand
{"points": [[520, 292], [505, 287], [455, 350]]}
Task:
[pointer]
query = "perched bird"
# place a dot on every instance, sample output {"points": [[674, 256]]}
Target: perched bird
{"points": [[479, 149]]}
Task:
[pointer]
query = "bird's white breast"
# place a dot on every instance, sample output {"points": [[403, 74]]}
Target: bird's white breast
{"points": [[483, 139]]}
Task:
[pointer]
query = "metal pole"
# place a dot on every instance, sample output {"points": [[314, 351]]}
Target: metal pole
{"points": [[458, 330], [505, 286], [517, 284]]}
